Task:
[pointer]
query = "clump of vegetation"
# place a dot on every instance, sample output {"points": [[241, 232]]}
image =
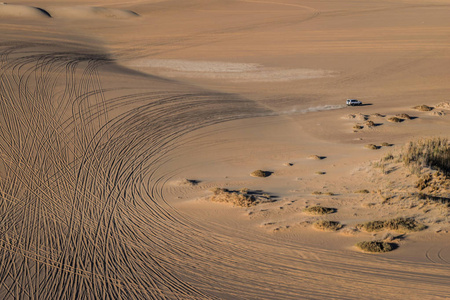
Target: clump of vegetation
{"points": [[260, 173], [328, 225], [378, 115], [433, 153], [400, 224], [321, 173], [320, 193], [357, 127], [404, 116], [319, 210], [370, 124], [423, 107], [384, 144], [241, 198], [375, 246], [362, 191], [395, 120], [372, 146]]}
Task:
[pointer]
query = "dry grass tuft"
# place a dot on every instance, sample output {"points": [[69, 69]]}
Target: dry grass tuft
{"points": [[375, 246], [328, 225], [240, 198], [321, 173], [372, 146], [433, 153], [362, 191], [370, 124], [378, 115], [395, 120], [260, 173], [423, 107], [319, 210], [400, 224], [385, 144]]}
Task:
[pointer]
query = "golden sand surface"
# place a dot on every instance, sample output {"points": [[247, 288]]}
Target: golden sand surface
{"points": [[118, 120]]}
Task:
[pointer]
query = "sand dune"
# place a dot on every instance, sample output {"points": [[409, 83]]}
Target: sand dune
{"points": [[235, 72], [100, 121], [89, 12], [22, 11]]}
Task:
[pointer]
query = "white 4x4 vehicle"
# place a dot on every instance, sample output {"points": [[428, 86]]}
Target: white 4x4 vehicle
{"points": [[352, 102]]}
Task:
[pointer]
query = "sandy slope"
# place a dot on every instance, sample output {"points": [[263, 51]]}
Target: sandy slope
{"points": [[106, 108]]}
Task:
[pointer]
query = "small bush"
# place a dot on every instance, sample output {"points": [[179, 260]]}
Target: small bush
{"points": [[240, 198], [370, 124], [375, 246], [372, 226], [260, 173], [395, 120], [372, 146], [384, 144], [400, 224], [404, 224], [316, 193], [362, 192], [357, 126], [321, 173], [423, 107], [403, 116], [328, 225], [319, 210]]}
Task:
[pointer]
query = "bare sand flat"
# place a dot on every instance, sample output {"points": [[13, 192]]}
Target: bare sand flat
{"points": [[120, 121]]}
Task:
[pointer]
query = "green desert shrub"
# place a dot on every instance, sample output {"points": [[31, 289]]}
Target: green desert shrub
{"points": [[375, 246]]}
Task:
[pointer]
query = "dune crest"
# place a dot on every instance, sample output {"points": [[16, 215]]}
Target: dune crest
{"points": [[22, 11], [88, 12]]}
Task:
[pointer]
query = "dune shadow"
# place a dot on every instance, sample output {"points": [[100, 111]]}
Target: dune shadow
{"points": [[43, 11]]}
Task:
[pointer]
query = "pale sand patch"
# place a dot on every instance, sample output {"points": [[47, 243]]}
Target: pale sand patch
{"points": [[236, 72]]}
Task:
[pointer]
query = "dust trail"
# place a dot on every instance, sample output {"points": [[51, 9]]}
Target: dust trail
{"points": [[295, 111]]}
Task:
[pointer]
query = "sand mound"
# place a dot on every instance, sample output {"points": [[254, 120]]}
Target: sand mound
{"points": [[22, 11], [359, 117], [423, 107], [443, 105], [89, 12], [438, 113]]}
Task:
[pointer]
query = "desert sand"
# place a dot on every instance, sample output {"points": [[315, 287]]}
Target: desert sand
{"points": [[119, 119]]}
